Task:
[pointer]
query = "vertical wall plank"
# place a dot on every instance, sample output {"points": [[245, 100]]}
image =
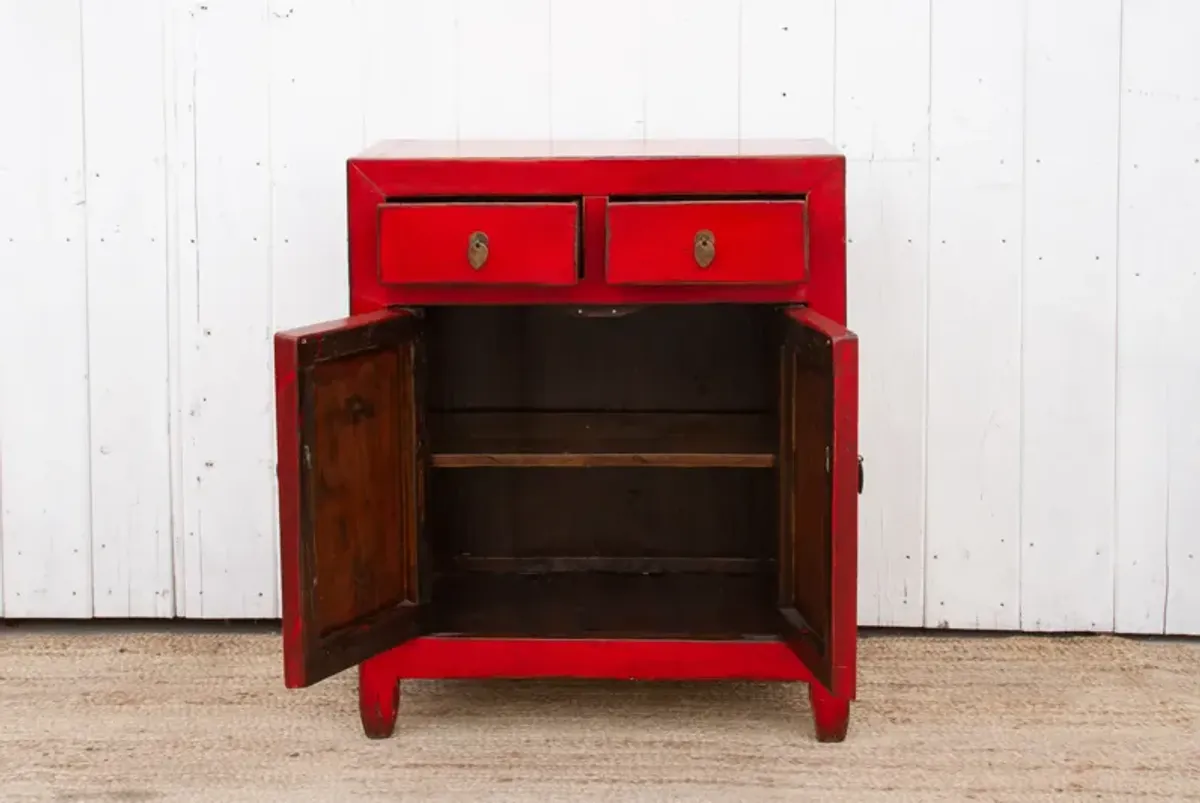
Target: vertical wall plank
{"points": [[597, 70], [503, 73], [1158, 393], [1069, 314], [123, 63], [692, 57], [179, 96], [883, 79], [228, 451], [44, 468], [316, 125], [786, 69], [883, 128], [1147, 264], [974, 335], [410, 62]]}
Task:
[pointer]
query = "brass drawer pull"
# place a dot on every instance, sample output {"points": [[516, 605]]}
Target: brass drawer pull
{"points": [[704, 248], [477, 250]]}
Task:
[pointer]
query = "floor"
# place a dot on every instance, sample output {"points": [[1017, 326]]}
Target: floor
{"points": [[130, 714]]}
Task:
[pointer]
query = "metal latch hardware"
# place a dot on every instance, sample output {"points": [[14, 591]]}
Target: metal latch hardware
{"points": [[477, 250], [704, 248]]}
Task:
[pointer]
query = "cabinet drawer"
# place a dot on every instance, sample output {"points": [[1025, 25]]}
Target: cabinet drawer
{"points": [[479, 243], [706, 242]]}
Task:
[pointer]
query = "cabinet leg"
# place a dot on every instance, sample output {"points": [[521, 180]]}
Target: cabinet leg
{"points": [[378, 698], [831, 715]]}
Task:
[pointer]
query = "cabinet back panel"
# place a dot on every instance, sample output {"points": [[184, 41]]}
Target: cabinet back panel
{"points": [[718, 358], [612, 512]]}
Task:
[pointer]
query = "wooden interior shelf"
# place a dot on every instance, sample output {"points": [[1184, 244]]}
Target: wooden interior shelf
{"points": [[583, 440], [613, 564]]}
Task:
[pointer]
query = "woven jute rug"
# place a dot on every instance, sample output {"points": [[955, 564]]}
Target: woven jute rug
{"points": [[140, 716]]}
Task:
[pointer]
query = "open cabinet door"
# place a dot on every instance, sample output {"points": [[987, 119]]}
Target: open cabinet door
{"points": [[349, 406], [819, 473]]}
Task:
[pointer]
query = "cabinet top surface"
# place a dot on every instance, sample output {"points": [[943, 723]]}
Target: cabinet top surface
{"points": [[594, 149]]}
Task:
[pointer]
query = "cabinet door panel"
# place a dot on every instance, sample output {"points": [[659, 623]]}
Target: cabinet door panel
{"points": [[351, 463], [818, 471]]}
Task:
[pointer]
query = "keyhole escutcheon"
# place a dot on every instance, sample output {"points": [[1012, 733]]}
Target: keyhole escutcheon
{"points": [[704, 248], [477, 250]]}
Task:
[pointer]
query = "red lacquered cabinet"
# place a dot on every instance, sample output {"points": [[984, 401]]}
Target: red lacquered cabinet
{"points": [[593, 415]]}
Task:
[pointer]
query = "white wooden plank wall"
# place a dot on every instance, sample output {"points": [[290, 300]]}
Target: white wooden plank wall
{"points": [[1023, 182], [973, 422], [45, 437], [124, 185], [1068, 314], [1158, 336], [882, 105]]}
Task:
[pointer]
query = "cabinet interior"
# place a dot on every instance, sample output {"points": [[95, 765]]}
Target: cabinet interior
{"points": [[599, 474]]}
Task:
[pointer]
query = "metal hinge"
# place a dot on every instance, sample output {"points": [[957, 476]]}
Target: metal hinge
{"points": [[829, 467]]}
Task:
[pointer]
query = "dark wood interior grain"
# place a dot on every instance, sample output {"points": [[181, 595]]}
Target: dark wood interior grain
{"points": [[682, 358], [599, 605], [565, 513], [811, 420], [581, 440], [616, 512], [355, 487], [549, 564]]}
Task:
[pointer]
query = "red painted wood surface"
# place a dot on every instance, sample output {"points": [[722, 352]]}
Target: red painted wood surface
{"points": [[345, 601], [831, 714], [287, 444], [841, 644], [753, 242], [378, 698], [616, 659], [393, 171], [394, 188], [527, 243], [476, 658]]}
